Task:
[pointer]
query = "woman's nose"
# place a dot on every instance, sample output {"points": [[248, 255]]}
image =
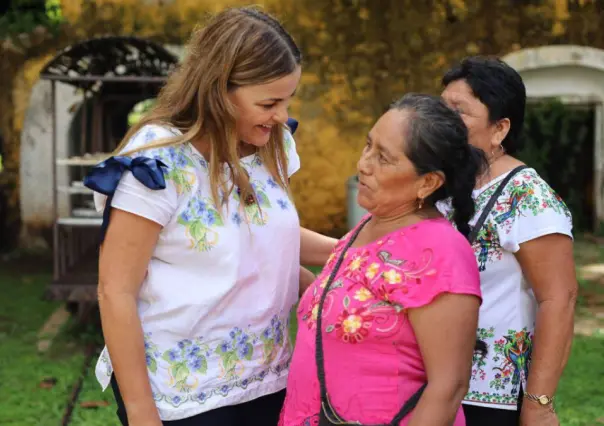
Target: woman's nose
{"points": [[363, 165], [281, 115]]}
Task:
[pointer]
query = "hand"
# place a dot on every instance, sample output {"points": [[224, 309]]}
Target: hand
{"points": [[533, 414]]}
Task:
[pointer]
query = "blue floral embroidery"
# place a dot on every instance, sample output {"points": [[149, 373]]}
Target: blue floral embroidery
{"points": [[256, 212], [256, 162], [271, 182], [283, 204], [188, 361], [199, 219], [236, 218]]}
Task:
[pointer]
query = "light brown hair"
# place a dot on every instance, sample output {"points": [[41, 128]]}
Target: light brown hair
{"points": [[238, 47]]}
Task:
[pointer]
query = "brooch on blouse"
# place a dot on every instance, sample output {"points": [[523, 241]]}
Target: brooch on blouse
{"points": [[249, 200]]}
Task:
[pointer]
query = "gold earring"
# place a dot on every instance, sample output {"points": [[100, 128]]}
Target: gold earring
{"points": [[420, 203]]}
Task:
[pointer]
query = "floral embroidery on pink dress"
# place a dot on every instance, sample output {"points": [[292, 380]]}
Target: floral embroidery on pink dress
{"points": [[372, 358]]}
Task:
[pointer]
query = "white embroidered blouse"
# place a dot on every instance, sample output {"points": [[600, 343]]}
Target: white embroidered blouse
{"points": [[526, 209], [216, 301]]}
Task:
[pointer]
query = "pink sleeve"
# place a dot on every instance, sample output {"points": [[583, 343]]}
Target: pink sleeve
{"points": [[425, 272]]}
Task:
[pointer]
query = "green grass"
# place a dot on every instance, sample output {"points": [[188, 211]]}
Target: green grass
{"points": [[580, 397], [24, 403]]}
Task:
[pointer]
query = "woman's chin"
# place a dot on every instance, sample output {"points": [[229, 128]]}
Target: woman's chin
{"points": [[257, 142], [364, 203]]}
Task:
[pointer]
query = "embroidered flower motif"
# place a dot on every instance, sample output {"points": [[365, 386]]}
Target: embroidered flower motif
{"points": [[284, 204], [353, 325], [199, 219], [324, 281], [271, 182], [180, 165], [372, 270], [356, 262], [392, 277], [257, 212], [362, 295], [186, 358]]}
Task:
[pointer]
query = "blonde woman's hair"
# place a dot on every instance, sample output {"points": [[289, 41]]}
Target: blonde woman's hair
{"points": [[238, 47]]}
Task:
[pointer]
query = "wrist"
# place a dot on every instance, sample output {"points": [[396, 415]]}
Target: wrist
{"points": [[540, 400]]}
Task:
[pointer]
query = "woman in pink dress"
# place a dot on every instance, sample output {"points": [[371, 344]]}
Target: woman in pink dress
{"points": [[386, 333]]}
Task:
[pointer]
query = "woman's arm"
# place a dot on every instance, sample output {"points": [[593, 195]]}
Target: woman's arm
{"points": [[123, 263], [446, 334], [314, 247], [306, 279], [548, 265]]}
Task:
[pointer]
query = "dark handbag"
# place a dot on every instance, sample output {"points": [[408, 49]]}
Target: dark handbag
{"points": [[328, 415], [487, 209]]}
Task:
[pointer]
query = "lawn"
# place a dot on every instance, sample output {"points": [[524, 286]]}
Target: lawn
{"points": [[35, 388]]}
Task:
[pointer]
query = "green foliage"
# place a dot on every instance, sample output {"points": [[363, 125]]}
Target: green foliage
{"points": [[559, 144], [26, 15], [139, 110]]}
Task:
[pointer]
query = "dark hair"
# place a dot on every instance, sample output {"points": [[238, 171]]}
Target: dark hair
{"points": [[437, 141], [499, 87]]}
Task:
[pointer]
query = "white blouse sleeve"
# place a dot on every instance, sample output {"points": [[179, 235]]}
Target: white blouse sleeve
{"points": [[531, 210], [293, 159], [134, 197]]}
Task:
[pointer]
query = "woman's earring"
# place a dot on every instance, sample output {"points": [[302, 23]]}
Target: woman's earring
{"points": [[420, 203], [494, 156]]}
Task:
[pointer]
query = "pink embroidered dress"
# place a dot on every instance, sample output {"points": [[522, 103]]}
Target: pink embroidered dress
{"points": [[373, 362]]}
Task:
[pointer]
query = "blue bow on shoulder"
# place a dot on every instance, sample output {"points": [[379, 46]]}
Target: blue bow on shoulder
{"points": [[292, 123], [104, 178]]}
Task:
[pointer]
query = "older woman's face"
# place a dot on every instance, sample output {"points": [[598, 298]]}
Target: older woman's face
{"points": [[481, 132], [388, 182]]}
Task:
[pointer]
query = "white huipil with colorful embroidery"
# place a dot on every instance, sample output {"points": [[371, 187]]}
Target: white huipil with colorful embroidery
{"points": [[216, 300], [527, 209]]}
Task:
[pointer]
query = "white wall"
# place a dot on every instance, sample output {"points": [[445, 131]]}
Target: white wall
{"points": [[36, 195], [36, 156]]}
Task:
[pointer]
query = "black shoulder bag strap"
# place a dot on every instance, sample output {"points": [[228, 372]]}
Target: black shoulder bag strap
{"points": [[487, 209], [328, 416]]}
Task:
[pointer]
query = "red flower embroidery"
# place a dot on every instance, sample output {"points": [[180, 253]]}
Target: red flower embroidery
{"points": [[353, 325]]}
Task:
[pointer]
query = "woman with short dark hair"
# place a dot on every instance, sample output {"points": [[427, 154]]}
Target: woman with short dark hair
{"points": [[524, 252]]}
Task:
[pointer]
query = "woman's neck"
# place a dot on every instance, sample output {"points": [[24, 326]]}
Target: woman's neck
{"points": [[243, 149], [502, 165], [386, 224]]}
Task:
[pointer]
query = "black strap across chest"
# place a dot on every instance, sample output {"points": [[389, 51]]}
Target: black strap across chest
{"points": [[328, 415], [489, 206]]}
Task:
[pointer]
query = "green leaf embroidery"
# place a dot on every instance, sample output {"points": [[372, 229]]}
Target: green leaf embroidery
{"points": [[346, 301], [179, 371], [152, 365], [263, 199], [166, 357], [250, 350], [204, 365], [217, 219]]}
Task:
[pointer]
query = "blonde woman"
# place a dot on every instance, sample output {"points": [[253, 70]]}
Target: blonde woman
{"points": [[200, 262]]}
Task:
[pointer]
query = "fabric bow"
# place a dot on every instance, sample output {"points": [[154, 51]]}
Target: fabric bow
{"points": [[105, 176], [292, 123]]}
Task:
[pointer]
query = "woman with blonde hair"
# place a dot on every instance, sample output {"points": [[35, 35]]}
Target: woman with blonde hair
{"points": [[200, 262]]}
